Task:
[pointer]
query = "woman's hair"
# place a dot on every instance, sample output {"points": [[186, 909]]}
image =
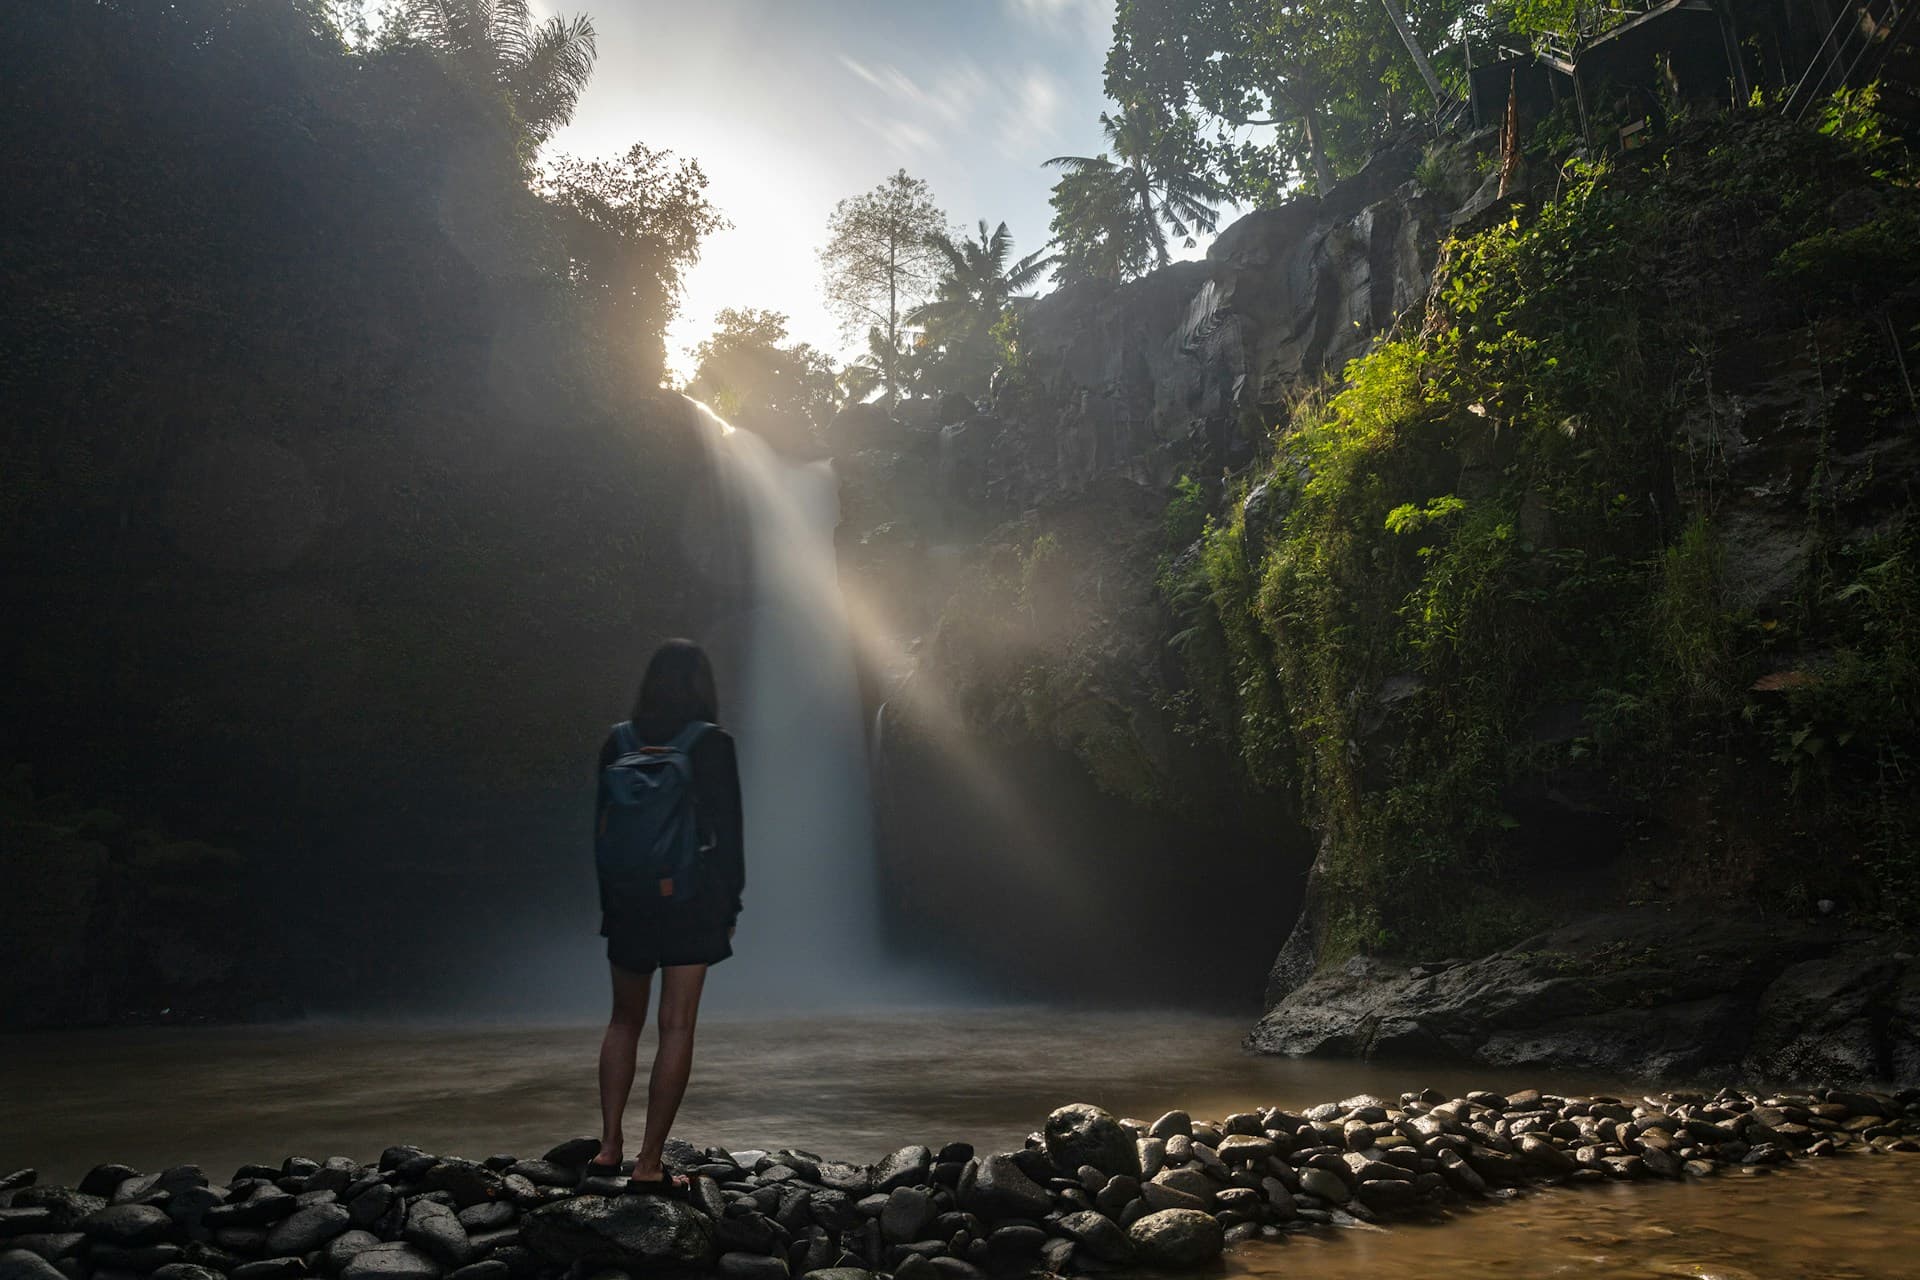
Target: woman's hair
{"points": [[678, 686]]}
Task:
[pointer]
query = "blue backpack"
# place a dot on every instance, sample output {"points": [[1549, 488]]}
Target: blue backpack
{"points": [[648, 840]]}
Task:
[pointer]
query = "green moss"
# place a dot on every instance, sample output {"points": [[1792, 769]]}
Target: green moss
{"points": [[1483, 524]]}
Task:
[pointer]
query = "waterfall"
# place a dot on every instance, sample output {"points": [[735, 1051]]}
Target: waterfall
{"points": [[809, 934]]}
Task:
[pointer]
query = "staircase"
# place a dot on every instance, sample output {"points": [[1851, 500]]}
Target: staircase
{"points": [[1871, 40]]}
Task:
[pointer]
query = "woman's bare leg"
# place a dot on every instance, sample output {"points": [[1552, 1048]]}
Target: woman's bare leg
{"points": [[617, 1052], [680, 987]]}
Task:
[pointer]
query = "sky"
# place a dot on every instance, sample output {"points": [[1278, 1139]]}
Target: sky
{"points": [[792, 105]]}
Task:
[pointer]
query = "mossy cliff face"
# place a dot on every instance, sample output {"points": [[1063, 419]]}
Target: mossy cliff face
{"points": [[1598, 581], [1558, 564]]}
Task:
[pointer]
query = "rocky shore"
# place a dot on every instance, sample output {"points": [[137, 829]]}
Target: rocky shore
{"points": [[1090, 1192], [1650, 994]]}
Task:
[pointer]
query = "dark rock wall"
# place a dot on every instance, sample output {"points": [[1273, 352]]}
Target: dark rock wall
{"points": [[1038, 762]]}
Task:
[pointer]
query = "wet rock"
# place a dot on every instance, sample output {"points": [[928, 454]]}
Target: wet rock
{"points": [[433, 1228], [66, 1208], [344, 1248], [1083, 1134], [906, 1215], [52, 1245], [1387, 1195], [467, 1181], [271, 1269], [489, 1269], [18, 1264], [665, 1236], [144, 1259], [487, 1217], [104, 1179], [849, 1179], [1173, 1122], [1098, 1234], [397, 1261], [909, 1166], [371, 1205], [307, 1229], [268, 1204], [1190, 1181], [752, 1266], [1327, 1186], [1116, 1193], [127, 1224], [20, 1222], [185, 1271], [1238, 1148], [1177, 1238], [995, 1187], [573, 1153]]}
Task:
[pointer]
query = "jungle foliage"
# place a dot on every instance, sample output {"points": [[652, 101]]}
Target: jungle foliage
{"points": [[1487, 583], [333, 461]]}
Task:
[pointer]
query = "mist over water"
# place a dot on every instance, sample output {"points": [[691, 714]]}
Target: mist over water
{"points": [[809, 935]]}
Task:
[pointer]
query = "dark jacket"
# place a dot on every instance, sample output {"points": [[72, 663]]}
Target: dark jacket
{"points": [[716, 798]]}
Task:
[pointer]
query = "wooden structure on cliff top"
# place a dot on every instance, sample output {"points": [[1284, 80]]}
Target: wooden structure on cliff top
{"points": [[1637, 58]]}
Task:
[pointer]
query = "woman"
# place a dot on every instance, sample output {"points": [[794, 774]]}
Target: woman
{"points": [[679, 938]]}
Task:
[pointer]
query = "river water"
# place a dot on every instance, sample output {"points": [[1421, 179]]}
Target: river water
{"points": [[857, 1087]]}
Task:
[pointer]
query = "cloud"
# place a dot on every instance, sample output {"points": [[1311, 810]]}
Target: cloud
{"points": [[1032, 113], [1086, 18], [917, 114]]}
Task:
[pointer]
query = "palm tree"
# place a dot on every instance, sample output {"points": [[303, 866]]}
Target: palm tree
{"points": [[1163, 191], [976, 287], [540, 70]]}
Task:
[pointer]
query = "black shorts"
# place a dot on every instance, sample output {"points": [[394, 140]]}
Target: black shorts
{"points": [[655, 937]]}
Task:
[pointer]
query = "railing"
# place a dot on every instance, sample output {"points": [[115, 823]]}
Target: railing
{"points": [[1861, 30]]}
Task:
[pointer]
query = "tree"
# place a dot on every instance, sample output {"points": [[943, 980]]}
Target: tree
{"points": [[970, 298], [1096, 226], [1160, 171], [629, 227], [867, 372], [881, 259], [1329, 77], [540, 70], [752, 378]]}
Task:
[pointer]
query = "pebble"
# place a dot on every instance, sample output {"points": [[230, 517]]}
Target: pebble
{"points": [[1089, 1192]]}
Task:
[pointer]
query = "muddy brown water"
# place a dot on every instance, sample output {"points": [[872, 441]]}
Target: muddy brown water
{"points": [[858, 1087]]}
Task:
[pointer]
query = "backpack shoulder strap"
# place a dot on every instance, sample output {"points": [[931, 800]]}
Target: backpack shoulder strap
{"points": [[694, 731], [624, 738]]}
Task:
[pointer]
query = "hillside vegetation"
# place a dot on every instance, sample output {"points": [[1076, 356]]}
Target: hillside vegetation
{"points": [[1597, 579]]}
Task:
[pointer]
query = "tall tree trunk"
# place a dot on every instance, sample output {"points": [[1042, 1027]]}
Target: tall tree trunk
{"points": [[1399, 16], [893, 322], [1322, 170]]}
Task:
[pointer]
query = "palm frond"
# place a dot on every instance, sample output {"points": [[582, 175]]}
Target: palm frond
{"points": [[547, 82]]}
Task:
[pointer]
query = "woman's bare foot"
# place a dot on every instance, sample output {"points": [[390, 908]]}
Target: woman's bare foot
{"points": [[609, 1158]]}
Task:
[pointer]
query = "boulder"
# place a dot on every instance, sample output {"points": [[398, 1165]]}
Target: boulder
{"points": [[995, 1187], [18, 1264], [1098, 1234], [397, 1261], [663, 1236], [307, 1229], [129, 1225], [907, 1167], [432, 1227], [1083, 1134], [1177, 1238]]}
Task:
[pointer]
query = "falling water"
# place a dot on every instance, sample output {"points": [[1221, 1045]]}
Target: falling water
{"points": [[809, 934]]}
